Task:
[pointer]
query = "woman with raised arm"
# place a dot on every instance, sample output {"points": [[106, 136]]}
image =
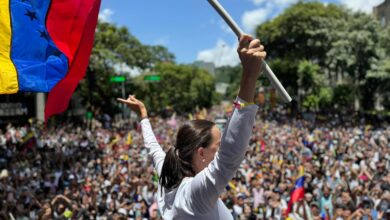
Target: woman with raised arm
{"points": [[196, 170]]}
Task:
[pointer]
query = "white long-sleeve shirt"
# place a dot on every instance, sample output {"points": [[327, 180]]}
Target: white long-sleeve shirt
{"points": [[198, 197]]}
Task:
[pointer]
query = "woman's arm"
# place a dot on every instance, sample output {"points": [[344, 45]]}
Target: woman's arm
{"points": [[150, 140], [208, 184], [152, 145]]}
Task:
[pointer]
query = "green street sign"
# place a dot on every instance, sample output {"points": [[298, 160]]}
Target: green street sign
{"points": [[152, 78], [118, 79]]}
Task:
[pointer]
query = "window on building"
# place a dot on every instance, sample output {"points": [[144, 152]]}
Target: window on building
{"points": [[383, 21]]}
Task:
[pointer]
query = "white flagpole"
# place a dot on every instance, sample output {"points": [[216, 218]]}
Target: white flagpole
{"points": [[237, 30]]}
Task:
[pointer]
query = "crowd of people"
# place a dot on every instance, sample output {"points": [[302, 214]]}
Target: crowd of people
{"points": [[104, 172]]}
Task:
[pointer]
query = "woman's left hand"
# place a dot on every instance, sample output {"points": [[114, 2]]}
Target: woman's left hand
{"points": [[135, 105]]}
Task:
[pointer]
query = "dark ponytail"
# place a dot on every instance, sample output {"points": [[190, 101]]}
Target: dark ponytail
{"points": [[178, 160]]}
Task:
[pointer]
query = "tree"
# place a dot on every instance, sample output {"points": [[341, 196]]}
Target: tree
{"points": [[355, 50], [182, 87], [344, 45], [384, 40], [309, 79], [325, 97], [115, 46], [160, 54], [301, 31], [304, 32], [344, 96], [378, 82], [310, 83]]}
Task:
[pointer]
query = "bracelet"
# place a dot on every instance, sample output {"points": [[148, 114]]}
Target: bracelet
{"points": [[239, 105]]}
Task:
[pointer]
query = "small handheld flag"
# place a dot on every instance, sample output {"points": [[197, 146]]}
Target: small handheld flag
{"points": [[298, 192]]}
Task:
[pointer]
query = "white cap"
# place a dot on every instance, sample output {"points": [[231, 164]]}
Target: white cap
{"points": [[107, 183], [4, 174], [124, 170], [122, 211]]}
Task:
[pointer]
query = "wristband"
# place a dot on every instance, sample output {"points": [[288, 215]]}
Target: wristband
{"points": [[239, 105]]}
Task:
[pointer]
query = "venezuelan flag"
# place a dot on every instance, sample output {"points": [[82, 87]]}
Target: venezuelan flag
{"points": [[298, 192], [45, 47]]}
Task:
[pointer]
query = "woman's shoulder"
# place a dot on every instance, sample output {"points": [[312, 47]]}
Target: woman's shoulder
{"points": [[180, 189], [185, 183], [176, 198], [184, 188]]}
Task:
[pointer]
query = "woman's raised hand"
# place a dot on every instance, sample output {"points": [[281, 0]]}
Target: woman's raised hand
{"points": [[251, 54], [135, 105]]}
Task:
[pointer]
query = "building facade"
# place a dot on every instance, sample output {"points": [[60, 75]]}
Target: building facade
{"points": [[382, 13]]}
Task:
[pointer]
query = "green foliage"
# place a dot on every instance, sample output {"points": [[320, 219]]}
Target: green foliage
{"points": [[325, 97], [344, 96], [384, 40], [312, 85], [297, 43], [301, 32], [115, 46], [182, 87], [160, 54], [311, 102], [286, 71], [381, 74], [315, 45], [377, 82], [309, 78], [356, 47]]}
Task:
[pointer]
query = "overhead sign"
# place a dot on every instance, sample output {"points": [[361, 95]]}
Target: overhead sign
{"points": [[118, 79]]}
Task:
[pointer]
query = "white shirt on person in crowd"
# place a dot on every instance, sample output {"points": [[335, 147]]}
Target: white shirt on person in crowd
{"points": [[276, 213], [198, 197]]}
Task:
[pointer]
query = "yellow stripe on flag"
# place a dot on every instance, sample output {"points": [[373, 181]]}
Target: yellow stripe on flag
{"points": [[301, 171], [8, 74], [129, 139]]}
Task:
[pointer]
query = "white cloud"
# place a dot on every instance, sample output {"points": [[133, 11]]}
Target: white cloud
{"points": [[258, 2], [274, 2], [284, 2], [124, 69], [106, 15], [361, 5], [266, 10], [251, 19], [221, 55]]}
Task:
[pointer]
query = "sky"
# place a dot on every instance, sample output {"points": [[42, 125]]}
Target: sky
{"points": [[192, 30]]}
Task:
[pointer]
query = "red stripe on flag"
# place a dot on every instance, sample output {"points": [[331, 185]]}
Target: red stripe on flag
{"points": [[296, 196], [71, 24], [262, 146]]}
